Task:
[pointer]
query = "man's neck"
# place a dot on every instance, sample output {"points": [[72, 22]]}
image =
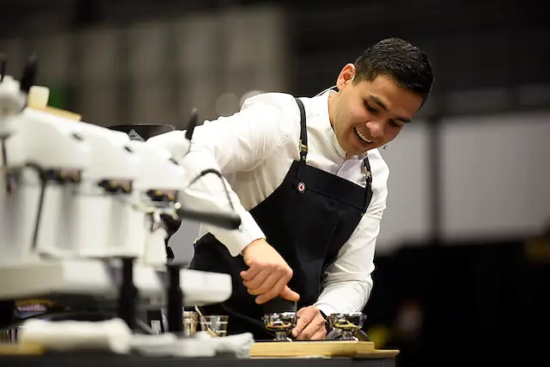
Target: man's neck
{"points": [[331, 101]]}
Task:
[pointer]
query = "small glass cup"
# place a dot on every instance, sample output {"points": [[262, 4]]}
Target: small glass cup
{"points": [[190, 323], [215, 325], [10, 335]]}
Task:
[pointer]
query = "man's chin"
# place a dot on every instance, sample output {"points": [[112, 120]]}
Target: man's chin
{"points": [[357, 148], [355, 152]]}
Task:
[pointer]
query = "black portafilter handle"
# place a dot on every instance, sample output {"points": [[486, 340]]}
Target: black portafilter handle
{"points": [[3, 66], [279, 305], [128, 293], [174, 298], [223, 220], [29, 74], [172, 226], [193, 121]]}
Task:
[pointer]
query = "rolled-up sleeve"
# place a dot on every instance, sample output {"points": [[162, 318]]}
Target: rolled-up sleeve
{"points": [[234, 144]]}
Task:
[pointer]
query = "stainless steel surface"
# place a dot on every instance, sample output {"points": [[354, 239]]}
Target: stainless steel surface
{"points": [[281, 324], [215, 325], [190, 323], [348, 323]]}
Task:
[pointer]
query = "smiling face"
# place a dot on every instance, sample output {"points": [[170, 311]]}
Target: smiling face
{"points": [[369, 114]]}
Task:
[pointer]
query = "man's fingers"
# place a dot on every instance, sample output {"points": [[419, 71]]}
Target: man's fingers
{"points": [[266, 286], [308, 331], [310, 325], [273, 292], [250, 273], [286, 293], [316, 326], [258, 280], [321, 334], [303, 321], [290, 295]]}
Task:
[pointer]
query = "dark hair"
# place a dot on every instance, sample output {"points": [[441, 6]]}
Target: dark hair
{"points": [[406, 64]]}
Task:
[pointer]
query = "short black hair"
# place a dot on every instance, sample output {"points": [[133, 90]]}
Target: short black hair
{"points": [[406, 64]]}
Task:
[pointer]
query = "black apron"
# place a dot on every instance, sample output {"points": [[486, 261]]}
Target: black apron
{"points": [[307, 219]]}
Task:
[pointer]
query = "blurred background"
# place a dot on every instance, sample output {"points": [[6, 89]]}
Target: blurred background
{"points": [[463, 259]]}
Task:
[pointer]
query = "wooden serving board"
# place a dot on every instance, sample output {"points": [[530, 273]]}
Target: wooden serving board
{"points": [[331, 348], [20, 349]]}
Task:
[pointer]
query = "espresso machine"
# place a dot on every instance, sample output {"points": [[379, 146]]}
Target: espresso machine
{"points": [[81, 216], [164, 191]]}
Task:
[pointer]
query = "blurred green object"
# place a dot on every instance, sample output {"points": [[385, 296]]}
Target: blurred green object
{"points": [[59, 97]]}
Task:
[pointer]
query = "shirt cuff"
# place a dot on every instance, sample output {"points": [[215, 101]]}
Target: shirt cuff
{"points": [[325, 308], [238, 239]]}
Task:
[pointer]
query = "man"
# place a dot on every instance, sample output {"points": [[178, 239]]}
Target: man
{"points": [[307, 179]]}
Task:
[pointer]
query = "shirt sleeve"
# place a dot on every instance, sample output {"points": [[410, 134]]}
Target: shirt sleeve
{"points": [[234, 144], [348, 282]]}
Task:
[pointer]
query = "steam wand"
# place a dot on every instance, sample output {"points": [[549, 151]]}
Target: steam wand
{"points": [[128, 293], [174, 299]]}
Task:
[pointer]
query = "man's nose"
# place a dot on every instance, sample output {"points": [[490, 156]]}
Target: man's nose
{"points": [[376, 129]]}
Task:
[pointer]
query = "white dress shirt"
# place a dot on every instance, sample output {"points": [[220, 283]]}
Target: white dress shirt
{"points": [[254, 150]]}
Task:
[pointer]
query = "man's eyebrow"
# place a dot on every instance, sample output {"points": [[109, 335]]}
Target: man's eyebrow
{"points": [[383, 106], [378, 102]]}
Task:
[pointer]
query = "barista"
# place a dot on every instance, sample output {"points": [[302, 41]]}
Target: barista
{"points": [[306, 176]]}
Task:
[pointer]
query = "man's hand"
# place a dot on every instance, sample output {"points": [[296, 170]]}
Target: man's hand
{"points": [[268, 273], [310, 325]]}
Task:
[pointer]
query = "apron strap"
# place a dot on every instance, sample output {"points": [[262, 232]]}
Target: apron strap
{"points": [[368, 186], [303, 152], [303, 131]]}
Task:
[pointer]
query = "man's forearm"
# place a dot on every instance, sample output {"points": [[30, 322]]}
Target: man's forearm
{"points": [[344, 296], [209, 194]]}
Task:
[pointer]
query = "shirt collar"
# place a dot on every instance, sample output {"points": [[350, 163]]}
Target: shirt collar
{"points": [[327, 127]]}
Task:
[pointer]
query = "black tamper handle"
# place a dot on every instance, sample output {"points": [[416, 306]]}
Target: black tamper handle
{"points": [[128, 293], [223, 220], [174, 298], [278, 305]]}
